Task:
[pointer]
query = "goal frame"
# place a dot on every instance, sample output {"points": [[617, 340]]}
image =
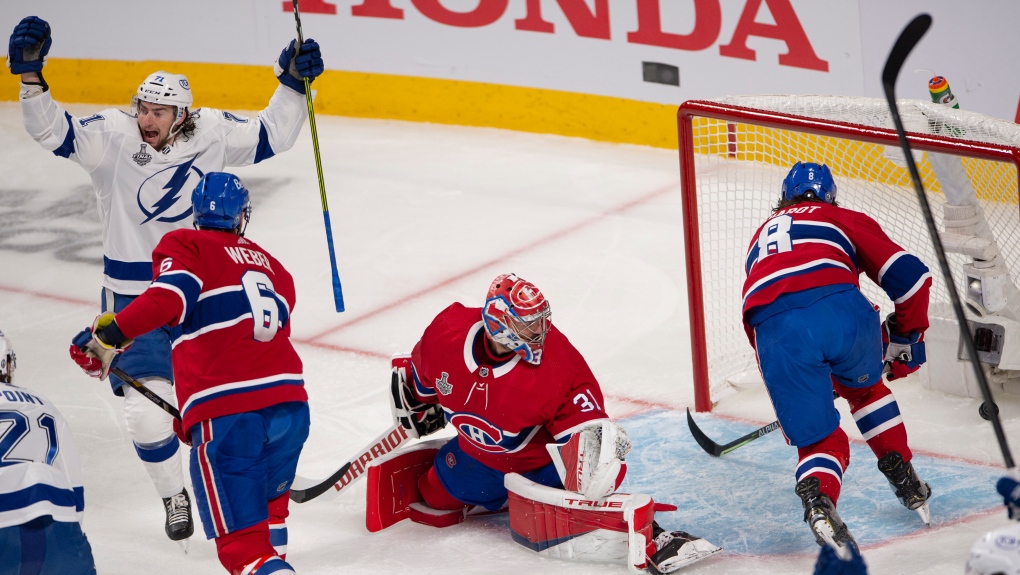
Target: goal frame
{"points": [[821, 127]]}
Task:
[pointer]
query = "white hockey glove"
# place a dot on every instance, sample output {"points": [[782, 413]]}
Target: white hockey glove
{"points": [[591, 462], [418, 418]]}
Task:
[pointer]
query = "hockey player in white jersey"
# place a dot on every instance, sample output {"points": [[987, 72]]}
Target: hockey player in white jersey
{"points": [[142, 166], [40, 484]]}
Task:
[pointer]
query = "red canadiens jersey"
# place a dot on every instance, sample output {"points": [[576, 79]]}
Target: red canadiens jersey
{"points": [[228, 304], [505, 410], [815, 244]]}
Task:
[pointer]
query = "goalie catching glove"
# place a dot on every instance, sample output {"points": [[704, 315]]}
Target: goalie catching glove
{"points": [[591, 462], [904, 352], [95, 349], [417, 417]]}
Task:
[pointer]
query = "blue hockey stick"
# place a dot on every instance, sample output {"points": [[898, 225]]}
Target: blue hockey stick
{"points": [[338, 294]]}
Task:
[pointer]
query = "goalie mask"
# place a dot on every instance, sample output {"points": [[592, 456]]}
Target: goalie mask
{"points": [[996, 552], [516, 315], [220, 202], [810, 180], [7, 359], [165, 89]]}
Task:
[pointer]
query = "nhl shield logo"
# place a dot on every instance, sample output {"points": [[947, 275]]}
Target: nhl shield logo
{"points": [[443, 385], [142, 157], [483, 372]]}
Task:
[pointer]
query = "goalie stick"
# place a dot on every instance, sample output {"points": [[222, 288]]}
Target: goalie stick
{"points": [[349, 473], [908, 39]]}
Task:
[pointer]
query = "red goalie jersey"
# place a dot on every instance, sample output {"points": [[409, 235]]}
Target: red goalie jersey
{"points": [[229, 304], [504, 409]]}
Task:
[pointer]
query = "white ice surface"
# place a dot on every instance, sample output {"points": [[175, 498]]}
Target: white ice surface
{"points": [[422, 215]]}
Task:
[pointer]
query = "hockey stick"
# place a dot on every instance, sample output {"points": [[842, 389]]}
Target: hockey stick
{"points": [[338, 294], [909, 38], [716, 450], [148, 393], [350, 472]]}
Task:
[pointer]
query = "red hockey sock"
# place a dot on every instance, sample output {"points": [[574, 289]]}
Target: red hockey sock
{"points": [[278, 512], [239, 548], [878, 418], [826, 460], [435, 495]]}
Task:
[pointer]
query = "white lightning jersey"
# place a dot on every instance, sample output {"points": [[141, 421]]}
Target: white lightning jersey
{"points": [[40, 473], [144, 193]]}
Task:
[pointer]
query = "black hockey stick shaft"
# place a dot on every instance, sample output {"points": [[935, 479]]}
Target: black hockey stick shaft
{"points": [[390, 440], [716, 450], [302, 495], [148, 393], [909, 38]]}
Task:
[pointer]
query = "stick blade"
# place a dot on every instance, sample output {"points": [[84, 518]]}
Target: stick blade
{"points": [[909, 38], [710, 447]]}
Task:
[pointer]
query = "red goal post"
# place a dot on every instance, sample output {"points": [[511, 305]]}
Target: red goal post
{"points": [[734, 153]]}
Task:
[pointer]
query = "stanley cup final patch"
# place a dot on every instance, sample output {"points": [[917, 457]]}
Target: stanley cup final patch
{"points": [[443, 385], [142, 157]]}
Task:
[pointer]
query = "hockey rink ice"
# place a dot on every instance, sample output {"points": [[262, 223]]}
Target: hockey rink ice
{"points": [[424, 215]]}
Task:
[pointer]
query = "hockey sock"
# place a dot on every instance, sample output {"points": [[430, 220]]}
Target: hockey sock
{"points": [[826, 460], [151, 430], [238, 549], [435, 495], [278, 513], [878, 418]]}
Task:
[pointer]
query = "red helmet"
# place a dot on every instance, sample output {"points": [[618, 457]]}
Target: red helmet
{"points": [[516, 315]]}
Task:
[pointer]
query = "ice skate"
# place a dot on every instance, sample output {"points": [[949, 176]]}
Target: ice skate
{"points": [[908, 487], [820, 514], [179, 525], [677, 549]]}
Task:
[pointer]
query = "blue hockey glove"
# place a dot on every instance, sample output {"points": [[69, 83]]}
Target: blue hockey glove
{"points": [[830, 564], [1009, 488], [292, 70], [30, 42], [904, 353]]}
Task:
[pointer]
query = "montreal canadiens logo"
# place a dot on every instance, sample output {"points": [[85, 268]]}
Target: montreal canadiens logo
{"points": [[166, 195], [478, 432]]}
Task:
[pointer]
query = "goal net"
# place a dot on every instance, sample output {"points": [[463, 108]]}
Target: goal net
{"points": [[735, 152]]}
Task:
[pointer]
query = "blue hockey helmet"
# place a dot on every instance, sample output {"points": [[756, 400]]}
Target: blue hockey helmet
{"points": [[221, 202], [811, 181]]}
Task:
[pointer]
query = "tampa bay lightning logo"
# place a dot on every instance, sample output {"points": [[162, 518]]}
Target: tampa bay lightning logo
{"points": [[165, 196]]}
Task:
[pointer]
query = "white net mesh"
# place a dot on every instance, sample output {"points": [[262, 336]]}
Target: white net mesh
{"points": [[739, 166]]}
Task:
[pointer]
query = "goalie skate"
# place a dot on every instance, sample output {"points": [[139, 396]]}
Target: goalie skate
{"points": [[676, 550], [908, 487], [820, 514]]}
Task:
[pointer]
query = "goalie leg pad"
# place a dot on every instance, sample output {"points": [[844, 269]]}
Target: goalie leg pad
{"points": [[564, 525], [393, 484]]}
